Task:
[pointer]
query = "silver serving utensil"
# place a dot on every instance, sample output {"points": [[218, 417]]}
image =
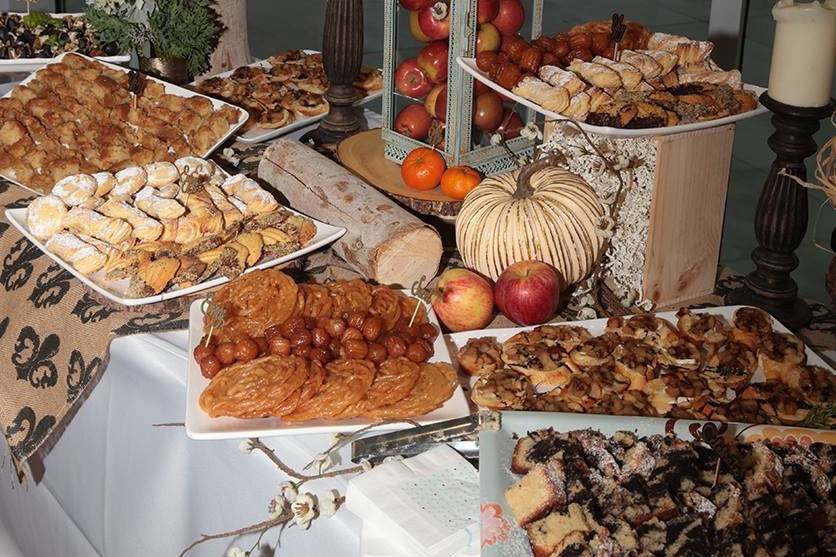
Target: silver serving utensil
{"points": [[461, 434]]}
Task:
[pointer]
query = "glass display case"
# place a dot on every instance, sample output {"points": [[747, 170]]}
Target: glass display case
{"points": [[429, 100]]}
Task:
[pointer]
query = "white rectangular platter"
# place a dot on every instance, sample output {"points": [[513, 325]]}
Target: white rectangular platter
{"points": [[115, 290], [469, 65], [26, 65], [502, 537], [200, 426], [169, 88], [258, 135], [596, 327]]}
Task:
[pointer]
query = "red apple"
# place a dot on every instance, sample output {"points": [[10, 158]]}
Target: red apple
{"points": [[510, 17], [413, 121], [511, 125], [528, 292], [433, 59], [479, 87], [440, 109], [486, 10], [411, 80], [488, 112], [415, 28], [415, 4], [432, 96], [434, 20], [487, 38], [462, 300]]}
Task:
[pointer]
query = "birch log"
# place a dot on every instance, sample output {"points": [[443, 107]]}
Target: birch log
{"points": [[233, 48], [383, 242]]}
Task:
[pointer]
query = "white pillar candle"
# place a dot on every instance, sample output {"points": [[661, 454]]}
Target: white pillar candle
{"points": [[803, 52]]}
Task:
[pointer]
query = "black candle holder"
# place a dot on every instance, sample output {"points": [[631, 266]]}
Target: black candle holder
{"points": [[781, 215]]}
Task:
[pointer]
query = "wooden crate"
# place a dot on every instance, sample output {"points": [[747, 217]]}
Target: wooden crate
{"points": [[685, 221]]}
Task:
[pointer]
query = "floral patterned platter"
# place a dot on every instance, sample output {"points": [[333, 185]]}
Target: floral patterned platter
{"points": [[502, 537]]}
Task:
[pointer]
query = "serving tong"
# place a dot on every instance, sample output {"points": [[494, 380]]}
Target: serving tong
{"points": [[462, 434]]}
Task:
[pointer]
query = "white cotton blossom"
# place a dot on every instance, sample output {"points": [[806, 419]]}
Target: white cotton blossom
{"points": [[246, 446], [276, 506], [329, 504], [496, 139], [288, 491], [621, 162], [304, 510], [323, 462], [587, 313], [531, 131], [235, 551]]}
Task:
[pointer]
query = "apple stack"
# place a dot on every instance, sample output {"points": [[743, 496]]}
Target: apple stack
{"points": [[424, 79]]}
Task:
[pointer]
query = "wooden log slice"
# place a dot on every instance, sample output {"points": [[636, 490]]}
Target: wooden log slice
{"points": [[363, 154], [383, 242]]}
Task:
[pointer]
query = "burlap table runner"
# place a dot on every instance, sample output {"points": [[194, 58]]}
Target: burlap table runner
{"points": [[54, 336]]}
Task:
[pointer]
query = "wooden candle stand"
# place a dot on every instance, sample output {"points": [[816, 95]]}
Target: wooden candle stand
{"points": [[342, 56], [781, 215]]}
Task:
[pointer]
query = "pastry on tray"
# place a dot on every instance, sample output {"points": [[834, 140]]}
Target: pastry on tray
{"points": [[292, 87], [164, 225], [304, 352], [702, 368], [79, 116], [584, 493], [581, 75]]}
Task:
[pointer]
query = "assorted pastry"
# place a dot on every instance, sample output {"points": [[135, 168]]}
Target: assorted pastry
{"points": [[701, 368], [164, 225], [292, 87], [309, 351], [81, 116], [584, 494], [657, 80], [41, 35]]}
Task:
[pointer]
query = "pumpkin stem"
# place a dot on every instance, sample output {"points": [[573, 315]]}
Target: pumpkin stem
{"points": [[524, 188]]}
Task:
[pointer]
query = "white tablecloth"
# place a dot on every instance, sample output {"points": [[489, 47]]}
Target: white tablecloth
{"points": [[115, 485]]}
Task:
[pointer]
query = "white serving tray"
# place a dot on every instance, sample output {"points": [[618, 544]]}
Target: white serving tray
{"points": [[26, 65], [169, 88], [502, 537], [258, 135], [596, 327], [200, 426], [469, 65], [115, 290]]}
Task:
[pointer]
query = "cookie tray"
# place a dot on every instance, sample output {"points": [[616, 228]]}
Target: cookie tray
{"points": [[116, 290], [27, 65], [200, 426], [169, 88], [469, 65], [258, 135]]}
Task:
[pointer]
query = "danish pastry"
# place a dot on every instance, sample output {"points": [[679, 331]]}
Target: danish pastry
{"points": [[161, 173], [105, 182], [130, 180], [84, 221], [76, 189], [646, 64], [82, 256], [45, 216], [145, 228], [158, 207], [549, 97], [597, 75]]}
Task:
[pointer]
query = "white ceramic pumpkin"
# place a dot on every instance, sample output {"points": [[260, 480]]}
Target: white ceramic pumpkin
{"points": [[541, 212]]}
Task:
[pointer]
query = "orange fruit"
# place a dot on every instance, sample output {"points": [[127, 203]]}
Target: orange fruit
{"points": [[422, 168], [458, 181]]}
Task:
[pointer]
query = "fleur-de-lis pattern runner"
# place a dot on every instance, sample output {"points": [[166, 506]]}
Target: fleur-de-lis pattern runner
{"points": [[55, 333], [54, 336]]}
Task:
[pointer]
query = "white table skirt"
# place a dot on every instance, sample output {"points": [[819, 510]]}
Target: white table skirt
{"points": [[117, 486]]}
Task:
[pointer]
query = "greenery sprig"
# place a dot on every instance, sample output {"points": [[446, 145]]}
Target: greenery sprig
{"points": [[185, 29]]}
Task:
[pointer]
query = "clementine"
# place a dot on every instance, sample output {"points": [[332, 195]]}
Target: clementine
{"points": [[458, 181], [422, 168]]}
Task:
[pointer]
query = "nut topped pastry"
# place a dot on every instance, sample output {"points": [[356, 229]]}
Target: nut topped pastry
{"points": [[750, 325], [702, 328], [779, 353], [480, 355], [648, 328]]}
